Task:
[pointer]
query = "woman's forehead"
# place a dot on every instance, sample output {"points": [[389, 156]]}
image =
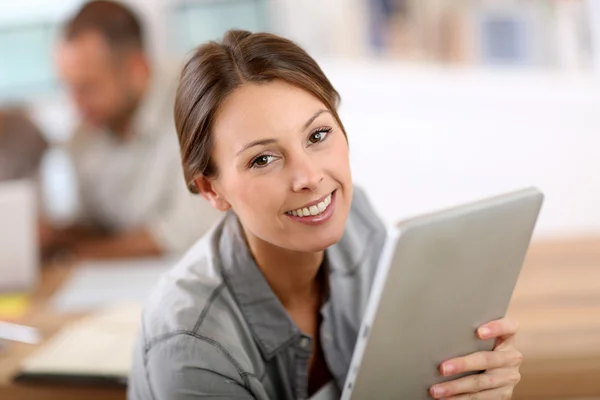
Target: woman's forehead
{"points": [[256, 111]]}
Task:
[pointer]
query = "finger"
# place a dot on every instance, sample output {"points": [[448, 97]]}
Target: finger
{"points": [[494, 394], [476, 383], [481, 361], [500, 328], [505, 343]]}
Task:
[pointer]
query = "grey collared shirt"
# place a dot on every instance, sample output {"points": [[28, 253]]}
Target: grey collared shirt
{"points": [[214, 329]]}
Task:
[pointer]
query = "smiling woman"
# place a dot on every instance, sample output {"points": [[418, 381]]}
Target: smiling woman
{"points": [[269, 303]]}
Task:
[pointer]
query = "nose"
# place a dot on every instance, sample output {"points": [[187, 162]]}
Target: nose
{"points": [[306, 173]]}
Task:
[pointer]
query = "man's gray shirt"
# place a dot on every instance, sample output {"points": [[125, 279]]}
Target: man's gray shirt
{"points": [[214, 329]]}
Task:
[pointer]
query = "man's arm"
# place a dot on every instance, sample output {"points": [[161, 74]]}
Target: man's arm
{"points": [[134, 243], [86, 243]]}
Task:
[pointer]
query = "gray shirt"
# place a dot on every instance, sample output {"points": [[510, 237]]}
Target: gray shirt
{"points": [[214, 329]]}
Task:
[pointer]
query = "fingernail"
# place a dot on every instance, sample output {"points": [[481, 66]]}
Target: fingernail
{"points": [[448, 369], [484, 332], [438, 391]]}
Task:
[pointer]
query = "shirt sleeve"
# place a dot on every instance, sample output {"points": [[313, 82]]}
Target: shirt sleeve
{"points": [[185, 368]]}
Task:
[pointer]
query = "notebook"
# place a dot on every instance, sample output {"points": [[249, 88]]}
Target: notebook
{"points": [[94, 350]]}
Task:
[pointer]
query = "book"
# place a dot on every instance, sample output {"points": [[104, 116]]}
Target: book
{"points": [[93, 350]]}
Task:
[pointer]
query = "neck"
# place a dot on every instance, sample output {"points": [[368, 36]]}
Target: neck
{"points": [[293, 275]]}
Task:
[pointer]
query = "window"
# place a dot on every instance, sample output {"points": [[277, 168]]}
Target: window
{"points": [[26, 67], [196, 21]]}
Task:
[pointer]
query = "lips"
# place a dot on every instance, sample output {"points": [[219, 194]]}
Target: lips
{"points": [[312, 209]]}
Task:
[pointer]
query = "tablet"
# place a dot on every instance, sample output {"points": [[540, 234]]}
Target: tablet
{"points": [[440, 277]]}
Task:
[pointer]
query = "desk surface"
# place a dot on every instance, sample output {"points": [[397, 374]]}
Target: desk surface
{"points": [[557, 303], [48, 322]]}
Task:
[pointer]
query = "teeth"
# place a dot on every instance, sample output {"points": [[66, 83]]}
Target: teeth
{"points": [[312, 210]]}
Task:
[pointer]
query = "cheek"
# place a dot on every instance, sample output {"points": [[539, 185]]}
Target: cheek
{"points": [[257, 195], [110, 93], [337, 160]]}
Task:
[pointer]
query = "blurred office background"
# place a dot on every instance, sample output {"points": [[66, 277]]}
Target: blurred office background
{"points": [[444, 101]]}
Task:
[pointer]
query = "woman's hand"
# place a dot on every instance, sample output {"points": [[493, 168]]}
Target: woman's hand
{"points": [[501, 367]]}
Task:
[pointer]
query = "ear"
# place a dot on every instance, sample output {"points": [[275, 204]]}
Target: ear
{"points": [[206, 188], [137, 67], [139, 61]]}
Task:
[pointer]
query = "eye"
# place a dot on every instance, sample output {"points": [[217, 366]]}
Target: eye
{"points": [[319, 135], [262, 161]]}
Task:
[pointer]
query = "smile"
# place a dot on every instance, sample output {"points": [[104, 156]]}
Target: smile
{"points": [[312, 210]]}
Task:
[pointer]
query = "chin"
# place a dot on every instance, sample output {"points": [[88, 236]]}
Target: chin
{"points": [[322, 241]]}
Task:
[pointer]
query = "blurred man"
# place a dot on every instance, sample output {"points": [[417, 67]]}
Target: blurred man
{"points": [[22, 146], [132, 196]]}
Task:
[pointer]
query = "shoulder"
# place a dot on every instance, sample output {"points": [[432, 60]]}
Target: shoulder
{"points": [[192, 319], [184, 291]]}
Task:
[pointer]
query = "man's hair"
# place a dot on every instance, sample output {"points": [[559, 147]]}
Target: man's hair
{"points": [[118, 25]]}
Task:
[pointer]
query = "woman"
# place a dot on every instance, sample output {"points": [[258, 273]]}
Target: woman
{"points": [[269, 303]]}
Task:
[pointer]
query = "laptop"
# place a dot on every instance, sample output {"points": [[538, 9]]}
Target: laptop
{"points": [[440, 277], [19, 257]]}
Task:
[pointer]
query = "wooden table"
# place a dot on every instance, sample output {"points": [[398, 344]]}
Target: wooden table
{"points": [[557, 302], [48, 322]]}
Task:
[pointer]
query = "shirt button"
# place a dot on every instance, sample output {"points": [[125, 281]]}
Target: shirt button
{"points": [[305, 343], [327, 336]]}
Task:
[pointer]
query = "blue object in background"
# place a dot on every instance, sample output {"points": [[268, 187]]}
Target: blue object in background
{"points": [[195, 22], [504, 39]]}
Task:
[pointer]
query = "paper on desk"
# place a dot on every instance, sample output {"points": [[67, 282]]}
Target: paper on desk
{"points": [[98, 345], [19, 333], [101, 284]]}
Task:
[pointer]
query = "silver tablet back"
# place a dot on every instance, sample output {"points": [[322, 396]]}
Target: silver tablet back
{"points": [[443, 276]]}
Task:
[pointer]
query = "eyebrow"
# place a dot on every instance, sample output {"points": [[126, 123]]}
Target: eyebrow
{"points": [[312, 119], [264, 142]]}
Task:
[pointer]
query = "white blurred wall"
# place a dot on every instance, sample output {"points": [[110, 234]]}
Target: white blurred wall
{"points": [[422, 139]]}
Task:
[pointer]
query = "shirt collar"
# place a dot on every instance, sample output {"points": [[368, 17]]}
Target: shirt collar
{"points": [[267, 318]]}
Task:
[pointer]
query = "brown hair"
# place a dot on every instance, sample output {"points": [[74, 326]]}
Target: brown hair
{"points": [[118, 25], [216, 69]]}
